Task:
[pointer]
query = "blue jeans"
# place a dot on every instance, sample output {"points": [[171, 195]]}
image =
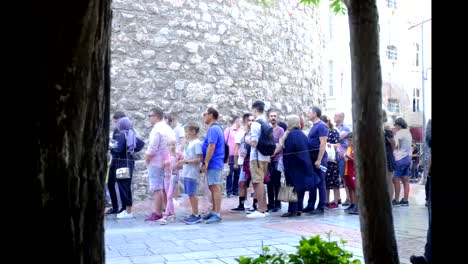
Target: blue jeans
{"points": [[341, 167], [232, 180], [321, 185]]}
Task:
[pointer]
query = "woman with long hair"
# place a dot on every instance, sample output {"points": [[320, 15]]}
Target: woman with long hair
{"points": [[332, 177]]}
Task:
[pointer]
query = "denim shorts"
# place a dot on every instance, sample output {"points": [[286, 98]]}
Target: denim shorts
{"points": [[242, 175], [214, 176], [190, 186], [402, 167], [156, 178]]}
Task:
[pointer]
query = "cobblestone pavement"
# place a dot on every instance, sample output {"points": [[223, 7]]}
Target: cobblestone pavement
{"points": [[136, 241]]}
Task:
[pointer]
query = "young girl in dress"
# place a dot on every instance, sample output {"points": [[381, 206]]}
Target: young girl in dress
{"points": [[172, 165]]}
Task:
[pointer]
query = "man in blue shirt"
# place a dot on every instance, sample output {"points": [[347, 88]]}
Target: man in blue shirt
{"points": [[318, 136], [213, 157]]}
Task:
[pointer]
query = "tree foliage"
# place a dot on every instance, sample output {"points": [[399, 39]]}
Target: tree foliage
{"points": [[338, 6]]}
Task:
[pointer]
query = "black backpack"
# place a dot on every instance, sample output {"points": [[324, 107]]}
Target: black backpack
{"points": [[226, 146], [266, 145], [139, 144]]}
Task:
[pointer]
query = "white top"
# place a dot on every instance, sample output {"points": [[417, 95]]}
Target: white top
{"points": [[255, 130], [191, 151], [403, 141], [238, 140], [158, 138]]}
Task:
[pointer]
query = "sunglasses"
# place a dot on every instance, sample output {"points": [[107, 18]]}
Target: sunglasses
{"points": [[151, 115]]}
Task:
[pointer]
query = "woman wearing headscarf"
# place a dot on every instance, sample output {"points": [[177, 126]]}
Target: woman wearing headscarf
{"points": [[122, 157], [111, 180]]}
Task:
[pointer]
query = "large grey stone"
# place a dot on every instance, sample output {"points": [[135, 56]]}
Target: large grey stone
{"points": [[192, 24], [174, 66], [195, 59], [161, 65], [183, 33], [148, 54], [203, 6], [203, 68], [191, 47], [160, 42], [213, 39], [179, 85], [222, 29]]}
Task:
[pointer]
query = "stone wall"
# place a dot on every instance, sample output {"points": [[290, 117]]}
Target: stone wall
{"points": [[185, 55]]}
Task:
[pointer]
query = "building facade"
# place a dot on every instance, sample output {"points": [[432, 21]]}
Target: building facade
{"points": [[405, 55]]}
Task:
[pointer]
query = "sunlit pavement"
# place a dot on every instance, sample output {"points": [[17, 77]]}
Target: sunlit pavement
{"points": [[137, 241]]}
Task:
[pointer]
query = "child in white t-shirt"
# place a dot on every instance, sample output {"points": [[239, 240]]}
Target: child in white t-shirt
{"points": [[193, 157]]}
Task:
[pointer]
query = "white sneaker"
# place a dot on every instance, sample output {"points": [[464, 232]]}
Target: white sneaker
{"points": [[124, 214], [257, 214]]}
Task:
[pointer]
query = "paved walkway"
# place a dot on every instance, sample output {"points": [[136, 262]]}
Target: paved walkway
{"points": [[136, 241]]}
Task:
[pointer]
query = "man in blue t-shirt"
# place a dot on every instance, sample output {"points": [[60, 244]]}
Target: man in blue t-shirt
{"points": [[318, 136], [213, 157]]}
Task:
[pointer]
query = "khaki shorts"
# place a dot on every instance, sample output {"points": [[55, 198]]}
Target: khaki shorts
{"points": [[258, 170]]}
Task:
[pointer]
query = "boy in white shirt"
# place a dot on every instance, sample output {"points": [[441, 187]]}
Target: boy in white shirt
{"points": [[193, 157]]}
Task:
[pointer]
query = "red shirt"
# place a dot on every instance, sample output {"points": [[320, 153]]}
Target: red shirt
{"points": [[349, 166]]}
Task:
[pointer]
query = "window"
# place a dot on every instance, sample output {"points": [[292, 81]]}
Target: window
{"points": [[330, 23], [416, 105], [330, 78], [417, 54], [393, 105], [392, 4], [392, 53], [416, 99]]}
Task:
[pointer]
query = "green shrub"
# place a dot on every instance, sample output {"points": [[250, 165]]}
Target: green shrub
{"points": [[310, 251]]}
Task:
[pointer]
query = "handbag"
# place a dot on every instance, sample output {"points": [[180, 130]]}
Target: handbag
{"points": [[123, 173], [287, 193], [331, 152]]}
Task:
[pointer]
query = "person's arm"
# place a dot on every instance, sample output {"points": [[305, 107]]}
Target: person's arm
{"points": [[254, 134], [199, 157], [280, 145], [351, 154], [323, 145], [180, 161], [120, 144], [209, 155], [236, 155], [345, 132], [278, 148], [152, 147]]}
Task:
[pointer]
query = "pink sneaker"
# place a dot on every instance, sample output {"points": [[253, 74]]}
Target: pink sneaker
{"points": [[153, 217], [332, 206]]}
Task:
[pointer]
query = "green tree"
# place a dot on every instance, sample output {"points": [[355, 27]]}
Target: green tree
{"points": [[375, 211]]}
